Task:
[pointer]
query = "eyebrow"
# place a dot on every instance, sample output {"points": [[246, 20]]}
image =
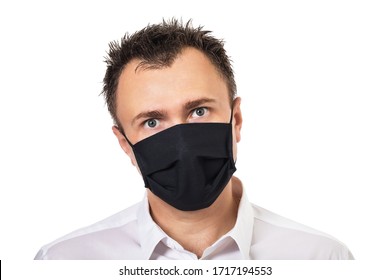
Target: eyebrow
{"points": [[155, 114], [198, 102], [159, 114]]}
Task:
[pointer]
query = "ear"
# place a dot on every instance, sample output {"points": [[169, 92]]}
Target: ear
{"points": [[237, 118], [124, 144]]}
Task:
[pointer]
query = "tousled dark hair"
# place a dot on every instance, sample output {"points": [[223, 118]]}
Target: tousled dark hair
{"points": [[157, 46]]}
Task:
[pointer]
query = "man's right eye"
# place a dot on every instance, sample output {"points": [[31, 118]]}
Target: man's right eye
{"points": [[152, 123]]}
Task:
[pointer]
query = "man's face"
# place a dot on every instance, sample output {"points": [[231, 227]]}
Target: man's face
{"points": [[190, 90]]}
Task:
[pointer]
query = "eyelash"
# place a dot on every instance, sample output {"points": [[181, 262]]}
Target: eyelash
{"points": [[144, 124]]}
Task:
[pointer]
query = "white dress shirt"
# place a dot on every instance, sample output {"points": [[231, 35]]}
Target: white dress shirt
{"points": [[257, 234]]}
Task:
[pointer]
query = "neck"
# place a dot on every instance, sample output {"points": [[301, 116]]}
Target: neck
{"points": [[196, 230]]}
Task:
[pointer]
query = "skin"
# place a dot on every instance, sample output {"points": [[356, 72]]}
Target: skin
{"points": [[151, 100]]}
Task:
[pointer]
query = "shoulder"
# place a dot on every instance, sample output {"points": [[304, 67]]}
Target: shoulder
{"points": [[276, 237], [101, 240]]}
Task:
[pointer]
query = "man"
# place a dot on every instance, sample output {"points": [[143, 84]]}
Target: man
{"points": [[171, 92]]}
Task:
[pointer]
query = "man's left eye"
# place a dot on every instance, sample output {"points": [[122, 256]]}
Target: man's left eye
{"points": [[198, 112]]}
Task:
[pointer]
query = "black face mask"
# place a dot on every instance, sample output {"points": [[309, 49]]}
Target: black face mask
{"points": [[187, 165]]}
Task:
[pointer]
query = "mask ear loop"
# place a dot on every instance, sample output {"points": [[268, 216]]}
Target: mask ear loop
{"points": [[231, 116], [128, 141], [231, 138], [139, 162]]}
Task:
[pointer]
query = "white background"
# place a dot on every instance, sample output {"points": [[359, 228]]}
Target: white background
{"points": [[314, 77]]}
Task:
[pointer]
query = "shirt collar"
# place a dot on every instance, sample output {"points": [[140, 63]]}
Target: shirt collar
{"points": [[243, 229], [150, 234]]}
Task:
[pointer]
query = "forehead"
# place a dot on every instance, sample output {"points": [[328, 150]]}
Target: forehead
{"points": [[191, 75]]}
